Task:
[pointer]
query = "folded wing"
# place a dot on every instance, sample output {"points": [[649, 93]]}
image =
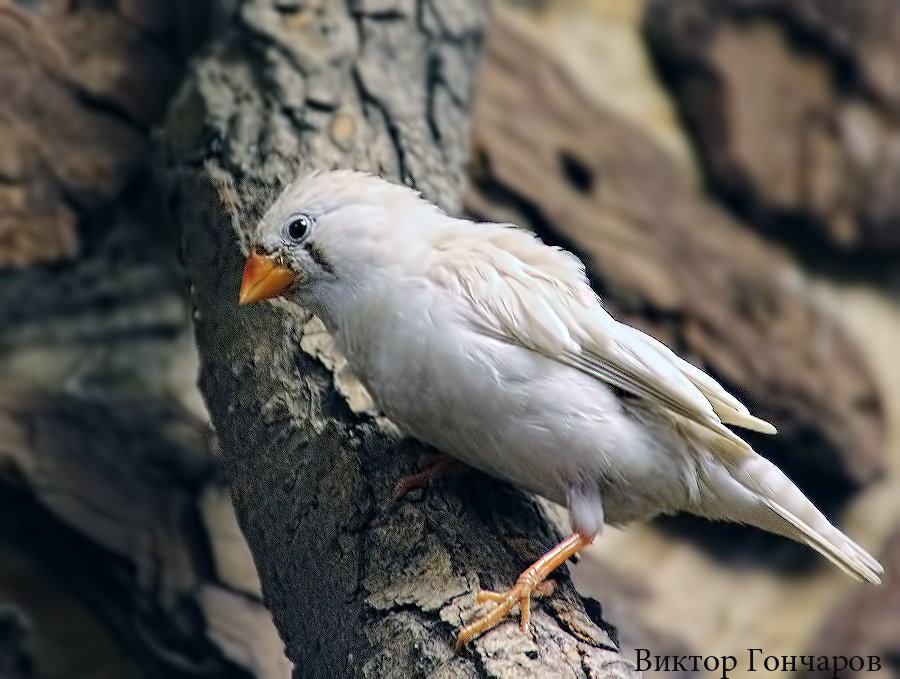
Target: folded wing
{"points": [[525, 293]]}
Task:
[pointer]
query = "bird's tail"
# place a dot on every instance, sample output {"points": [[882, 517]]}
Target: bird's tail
{"points": [[755, 491]]}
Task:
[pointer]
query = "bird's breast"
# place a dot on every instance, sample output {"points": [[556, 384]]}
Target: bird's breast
{"points": [[501, 408]]}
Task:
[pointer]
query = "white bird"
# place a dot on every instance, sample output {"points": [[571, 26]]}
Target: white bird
{"points": [[489, 345]]}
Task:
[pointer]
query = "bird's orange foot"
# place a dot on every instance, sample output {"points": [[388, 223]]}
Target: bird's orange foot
{"points": [[443, 465], [532, 583], [521, 594]]}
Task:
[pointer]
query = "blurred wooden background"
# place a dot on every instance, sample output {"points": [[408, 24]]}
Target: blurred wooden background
{"points": [[726, 168]]}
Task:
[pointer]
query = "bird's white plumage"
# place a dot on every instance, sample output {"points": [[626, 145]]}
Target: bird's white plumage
{"points": [[488, 344], [537, 296]]}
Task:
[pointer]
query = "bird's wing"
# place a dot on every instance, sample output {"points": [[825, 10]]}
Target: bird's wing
{"points": [[526, 293]]}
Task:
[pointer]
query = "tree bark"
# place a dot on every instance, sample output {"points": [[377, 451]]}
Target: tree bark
{"points": [[117, 503], [820, 164], [358, 585], [119, 551]]}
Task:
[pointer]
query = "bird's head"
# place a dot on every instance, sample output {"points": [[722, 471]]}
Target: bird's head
{"points": [[330, 232]]}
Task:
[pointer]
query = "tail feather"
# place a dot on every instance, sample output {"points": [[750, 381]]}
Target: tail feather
{"points": [[836, 547], [775, 504]]}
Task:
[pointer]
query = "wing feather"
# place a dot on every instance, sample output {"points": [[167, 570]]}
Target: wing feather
{"points": [[526, 293]]}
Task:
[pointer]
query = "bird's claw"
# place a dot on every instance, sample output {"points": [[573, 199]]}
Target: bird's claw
{"points": [[522, 593]]}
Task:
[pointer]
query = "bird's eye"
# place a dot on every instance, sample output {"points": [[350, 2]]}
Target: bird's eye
{"points": [[297, 227]]}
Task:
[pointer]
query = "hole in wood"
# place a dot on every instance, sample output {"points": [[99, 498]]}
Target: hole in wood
{"points": [[577, 173]]}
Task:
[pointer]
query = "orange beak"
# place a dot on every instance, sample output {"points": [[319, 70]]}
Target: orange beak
{"points": [[263, 278]]}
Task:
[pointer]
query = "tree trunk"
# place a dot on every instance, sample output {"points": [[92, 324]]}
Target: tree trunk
{"points": [[832, 180], [117, 503], [119, 551], [357, 584]]}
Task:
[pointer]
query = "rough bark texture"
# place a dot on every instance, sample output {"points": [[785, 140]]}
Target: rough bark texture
{"points": [[119, 547], [358, 585], [669, 262], [794, 106]]}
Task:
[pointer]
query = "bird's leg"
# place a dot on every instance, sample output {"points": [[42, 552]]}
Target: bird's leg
{"points": [[530, 583], [442, 465]]}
